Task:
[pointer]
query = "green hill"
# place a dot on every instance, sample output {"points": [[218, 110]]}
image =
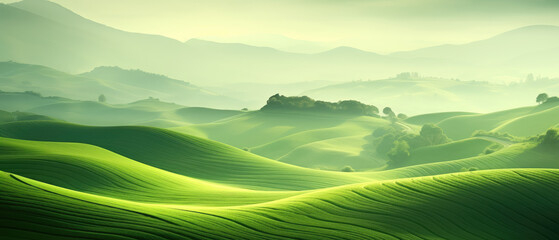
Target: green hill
{"points": [[531, 124], [21, 116], [462, 149], [256, 129], [118, 85], [335, 154], [162, 87], [95, 113], [22, 101], [148, 112], [354, 126], [496, 204], [307, 139], [94, 170], [183, 154], [434, 117], [523, 155], [460, 127]]}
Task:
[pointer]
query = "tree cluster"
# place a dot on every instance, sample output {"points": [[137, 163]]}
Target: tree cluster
{"points": [[280, 102], [397, 144]]}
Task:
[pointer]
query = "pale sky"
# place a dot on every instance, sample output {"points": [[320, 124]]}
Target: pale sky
{"points": [[381, 26]]}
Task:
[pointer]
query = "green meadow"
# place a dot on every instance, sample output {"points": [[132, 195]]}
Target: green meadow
{"points": [[109, 133]]}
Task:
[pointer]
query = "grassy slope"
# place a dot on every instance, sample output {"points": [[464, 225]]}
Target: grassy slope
{"points": [[499, 204], [149, 112], [523, 155], [91, 169], [18, 101], [434, 117], [183, 154], [21, 116], [336, 153], [94, 113], [258, 128], [302, 139], [466, 148], [461, 127], [353, 127], [531, 124], [18, 77]]}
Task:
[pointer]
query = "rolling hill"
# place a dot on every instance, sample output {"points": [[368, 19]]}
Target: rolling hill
{"points": [[94, 170], [524, 155], [492, 204], [534, 120], [183, 154], [308, 139], [147, 112], [118, 85]]}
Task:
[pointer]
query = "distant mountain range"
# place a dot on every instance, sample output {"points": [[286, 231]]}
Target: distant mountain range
{"points": [[118, 85], [42, 32]]}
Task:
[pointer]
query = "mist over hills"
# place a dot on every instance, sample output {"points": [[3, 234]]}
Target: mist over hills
{"points": [[41, 32], [414, 95], [117, 84]]}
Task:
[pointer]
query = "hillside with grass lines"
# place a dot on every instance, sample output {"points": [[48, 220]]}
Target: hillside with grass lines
{"points": [[94, 170], [491, 204], [273, 133], [183, 154]]}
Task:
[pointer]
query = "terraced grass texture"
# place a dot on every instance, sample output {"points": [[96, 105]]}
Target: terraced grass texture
{"points": [[184, 154], [497, 204]]}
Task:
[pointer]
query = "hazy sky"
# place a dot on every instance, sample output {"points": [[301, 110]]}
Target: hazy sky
{"points": [[375, 25]]}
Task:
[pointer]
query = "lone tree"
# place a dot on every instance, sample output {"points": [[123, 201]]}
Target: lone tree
{"points": [[102, 98], [542, 97], [389, 113]]}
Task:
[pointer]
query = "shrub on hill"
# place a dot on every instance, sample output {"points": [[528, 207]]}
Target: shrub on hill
{"points": [[469, 169], [304, 103], [348, 169], [552, 100], [492, 148], [543, 98], [550, 139]]}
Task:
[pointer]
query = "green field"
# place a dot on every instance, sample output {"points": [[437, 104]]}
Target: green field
{"points": [[257, 120], [64, 180]]}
